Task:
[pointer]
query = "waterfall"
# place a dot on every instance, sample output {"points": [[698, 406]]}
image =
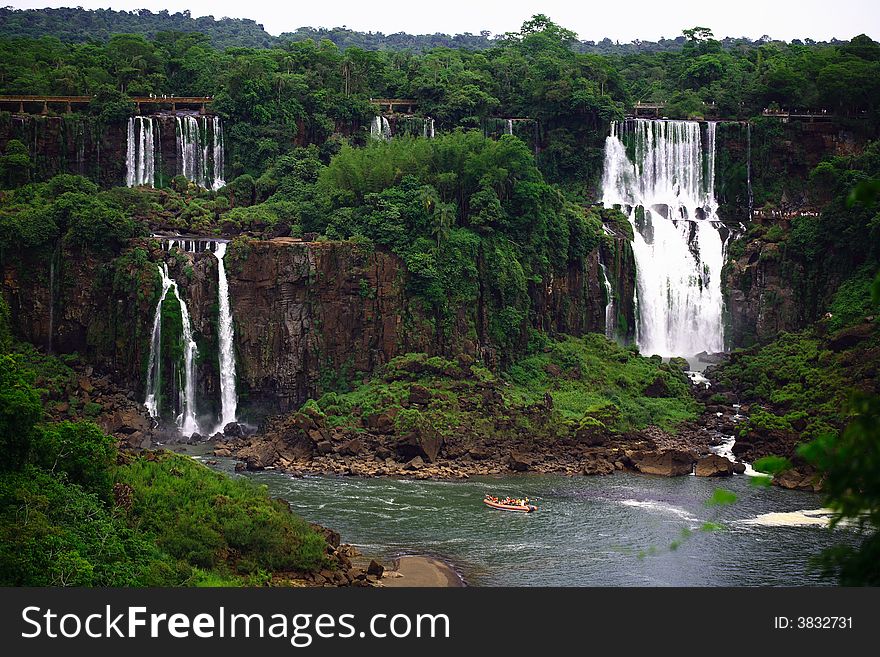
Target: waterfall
{"points": [[154, 364], [200, 150], [186, 420], [228, 398], [609, 302], [217, 134], [140, 151], [380, 128], [749, 165], [667, 189], [428, 130], [509, 130]]}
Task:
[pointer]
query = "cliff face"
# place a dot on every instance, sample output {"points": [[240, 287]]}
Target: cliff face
{"points": [[765, 292], [309, 316], [81, 145], [68, 144]]}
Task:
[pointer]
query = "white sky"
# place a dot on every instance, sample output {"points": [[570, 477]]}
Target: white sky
{"points": [[625, 20]]}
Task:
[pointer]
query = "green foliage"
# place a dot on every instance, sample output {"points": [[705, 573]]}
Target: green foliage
{"points": [[59, 520], [850, 463], [602, 380], [53, 533], [81, 451], [721, 497], [20, 410], [772, 465], [208, 520]]}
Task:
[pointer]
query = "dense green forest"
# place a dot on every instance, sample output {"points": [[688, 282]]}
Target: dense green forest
{"points": [[312, 91], [76, 24]]}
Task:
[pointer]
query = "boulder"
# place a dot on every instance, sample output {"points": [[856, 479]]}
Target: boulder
{"points": [[375, 568], [417, 463], [713, 466], [352, 447], [591, 432], [259, 455], [233, 430], [739, 468], [666, 463], [381, 422], [595, 464], [794, 479], [124, 421], [424, 442], [519, 462], [479, 453], [324, 447]]}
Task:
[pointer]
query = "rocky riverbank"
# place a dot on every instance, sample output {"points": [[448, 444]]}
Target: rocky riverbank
{"points": [[304, 443]]}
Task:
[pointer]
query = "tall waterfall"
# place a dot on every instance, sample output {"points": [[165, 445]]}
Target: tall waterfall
{"points": [[509, 127], [186, 420], [140, 154], [667, 189], [228, 397], [609, 303], [200, 150]]}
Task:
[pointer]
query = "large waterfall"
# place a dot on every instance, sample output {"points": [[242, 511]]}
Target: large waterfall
{"points": [[666, 186], [200, 150], [140, 154], [186, 419], [228, 397]]}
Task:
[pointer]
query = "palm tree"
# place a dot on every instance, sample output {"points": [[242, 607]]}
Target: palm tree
{"points": [[444, 219]]}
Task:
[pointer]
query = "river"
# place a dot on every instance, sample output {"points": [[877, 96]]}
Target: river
{"points": [[588, 531]]}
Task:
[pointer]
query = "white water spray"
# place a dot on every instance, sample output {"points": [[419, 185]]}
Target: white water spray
{"points": [[228, 397], [140, 152], [667, 190], [186, 420]]}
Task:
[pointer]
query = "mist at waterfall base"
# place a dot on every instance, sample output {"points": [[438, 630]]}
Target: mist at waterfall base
{"points": [[188, 420], [665, 184], [588, 531]]}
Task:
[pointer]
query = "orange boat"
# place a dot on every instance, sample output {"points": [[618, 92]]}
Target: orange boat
{"points": [[495, 503]]}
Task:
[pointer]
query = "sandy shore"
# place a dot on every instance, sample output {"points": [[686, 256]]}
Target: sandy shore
{"points": [[409, 571]]}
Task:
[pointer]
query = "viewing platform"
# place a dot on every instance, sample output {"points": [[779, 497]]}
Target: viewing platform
{"points": [[159, 102], [811, 116], [641, 109], [388, 105]]}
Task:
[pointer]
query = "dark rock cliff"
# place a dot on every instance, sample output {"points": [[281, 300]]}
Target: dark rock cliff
{"points": [[309, 316]]}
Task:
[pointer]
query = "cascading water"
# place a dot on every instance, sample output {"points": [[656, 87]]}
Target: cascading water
{"points": [[667, 189], [140, 154], [509, 129], [200, 150], [428, 130], [217, 135], [609, 303], [228, 397], [380, 128], [186, 420]]}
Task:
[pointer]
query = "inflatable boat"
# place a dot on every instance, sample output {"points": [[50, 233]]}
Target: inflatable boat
{"points": [[523, 508]]}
